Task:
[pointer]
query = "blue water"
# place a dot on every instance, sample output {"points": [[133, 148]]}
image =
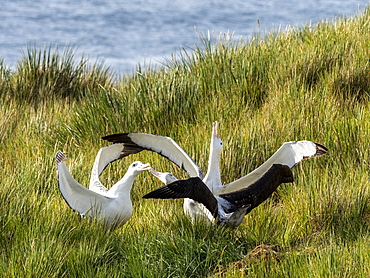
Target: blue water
{"points": [[125, 33]]}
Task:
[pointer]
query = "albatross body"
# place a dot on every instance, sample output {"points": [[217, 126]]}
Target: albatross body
{"points": [[227, 209], [113, 207]]}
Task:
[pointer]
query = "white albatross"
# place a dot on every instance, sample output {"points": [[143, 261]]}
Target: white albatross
{"points": [[168, 148], [290, 154], [226, 209], [113, 207]]}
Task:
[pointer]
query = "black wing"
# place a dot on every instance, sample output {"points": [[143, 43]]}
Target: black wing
{"points": [[193, 188], [260, 190], [290, 153]]}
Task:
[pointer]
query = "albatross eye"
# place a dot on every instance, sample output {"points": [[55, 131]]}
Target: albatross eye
{"points": [[135, 164]]}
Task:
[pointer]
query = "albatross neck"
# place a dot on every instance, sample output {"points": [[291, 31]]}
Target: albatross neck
{"points": [[124, 185], [213, 176]]}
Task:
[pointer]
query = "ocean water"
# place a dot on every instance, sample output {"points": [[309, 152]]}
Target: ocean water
{"points": [[125, 33]]}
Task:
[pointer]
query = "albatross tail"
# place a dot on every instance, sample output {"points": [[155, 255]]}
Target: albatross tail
{"points": [[59, 157]]}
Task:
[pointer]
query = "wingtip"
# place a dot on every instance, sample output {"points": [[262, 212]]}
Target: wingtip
{"points": [[146, 196], [59, 157], [288, 179], [151, 195], [163, 192], [117, 138], [320, 149], [155, 194]]}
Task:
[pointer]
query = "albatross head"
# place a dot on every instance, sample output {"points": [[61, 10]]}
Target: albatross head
{"points": [[138, 167], [216, 142], [165, 177]]}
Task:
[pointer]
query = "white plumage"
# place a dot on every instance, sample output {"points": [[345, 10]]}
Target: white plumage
{"points": [[113, 206]]}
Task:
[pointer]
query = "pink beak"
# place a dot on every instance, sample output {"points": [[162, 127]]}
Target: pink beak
{"points": [[215, 129], [155, 173]]}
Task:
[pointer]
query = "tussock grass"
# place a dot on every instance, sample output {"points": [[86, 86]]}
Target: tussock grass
{"points": [[309, 83], [45, 74]]}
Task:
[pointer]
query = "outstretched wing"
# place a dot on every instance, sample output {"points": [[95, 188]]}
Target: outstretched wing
{"points": [[164, 146], [193, 188], [290, 153], [254, 194], [78, 197], [105, 156]]}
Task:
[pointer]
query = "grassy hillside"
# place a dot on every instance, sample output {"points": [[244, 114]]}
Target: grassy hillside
{"points": [[312, 83]]}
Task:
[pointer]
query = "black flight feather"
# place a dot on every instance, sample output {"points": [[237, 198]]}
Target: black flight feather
{"points": [[193, 188]]}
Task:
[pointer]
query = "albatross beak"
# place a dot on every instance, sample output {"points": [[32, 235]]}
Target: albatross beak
{"points": [[145, 167], [215, 129], [155, 173]]}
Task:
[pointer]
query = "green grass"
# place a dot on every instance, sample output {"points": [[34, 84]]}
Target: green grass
{"points": [[309, 83]]}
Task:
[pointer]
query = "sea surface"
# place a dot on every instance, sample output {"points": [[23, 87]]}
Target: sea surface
{"points": [[122, 34]]}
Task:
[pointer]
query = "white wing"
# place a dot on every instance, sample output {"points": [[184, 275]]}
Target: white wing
{"points": [[164, 146], [78, 197], [105, 156], [290, 153]]}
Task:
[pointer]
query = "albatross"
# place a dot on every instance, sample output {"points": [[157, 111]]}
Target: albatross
{"points": [[168, 148], [290, 154], [113, 207], [227, 209]]}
